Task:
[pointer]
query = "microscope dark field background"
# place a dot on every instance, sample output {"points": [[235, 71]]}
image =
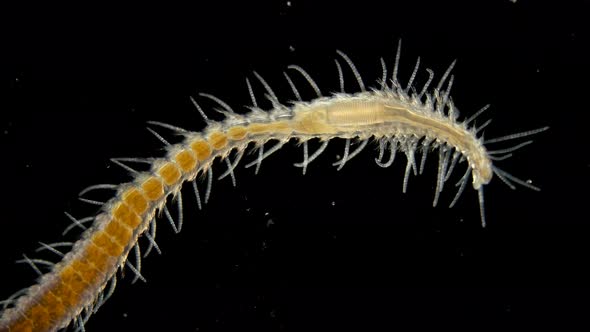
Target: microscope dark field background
{"points": [[330, 250]]}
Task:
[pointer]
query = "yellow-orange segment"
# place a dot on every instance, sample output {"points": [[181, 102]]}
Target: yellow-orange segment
{"points": [[135, 200], [169, 173], [97, 256], [66, 295], [153, 188], [38, 315], [218, 140], [201, 148], [85, 271], [119, 232], [55, 308], [103, 240], [123, 214], [70, 277], [27, 325], [185, 160]]}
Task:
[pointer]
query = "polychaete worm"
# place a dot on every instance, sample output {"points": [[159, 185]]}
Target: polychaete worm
{"points": [[399, 117]]}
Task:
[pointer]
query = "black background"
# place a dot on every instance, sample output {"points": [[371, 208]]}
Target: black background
{"points": [[329, 250]]}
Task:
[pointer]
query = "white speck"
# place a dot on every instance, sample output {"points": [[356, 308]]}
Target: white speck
{"points": [[291, 48], [529, 181], [288, 3], [333, 203], [269, 223]]}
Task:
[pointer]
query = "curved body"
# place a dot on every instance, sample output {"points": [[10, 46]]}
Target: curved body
{"points": [[404, 122]]}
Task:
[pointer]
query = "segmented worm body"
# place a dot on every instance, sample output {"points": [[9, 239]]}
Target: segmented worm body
{"points": [[399, 118]]}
